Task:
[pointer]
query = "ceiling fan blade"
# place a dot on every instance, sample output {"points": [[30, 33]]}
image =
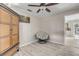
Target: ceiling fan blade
{"points": [[50, 4], [29, 10], [38, 10], [42, 4], [47, 10], [34, 5]]}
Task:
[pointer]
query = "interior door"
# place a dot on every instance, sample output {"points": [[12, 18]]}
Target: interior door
{"points": [[15, 28], [4, 30]]}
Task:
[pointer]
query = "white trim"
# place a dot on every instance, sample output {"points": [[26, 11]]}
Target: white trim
{"points": [[57, 42], [28, 43], [36, 40]]}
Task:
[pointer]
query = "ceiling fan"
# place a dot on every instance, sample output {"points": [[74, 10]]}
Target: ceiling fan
{"points": [[42, 5]]}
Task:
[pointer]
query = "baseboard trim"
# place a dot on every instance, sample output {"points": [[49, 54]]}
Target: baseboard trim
{"points": [[57, 43], [36, 40], [28, 43]]}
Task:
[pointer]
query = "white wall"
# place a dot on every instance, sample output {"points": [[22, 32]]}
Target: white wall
{"points": [[54, 25], [28, 30]]}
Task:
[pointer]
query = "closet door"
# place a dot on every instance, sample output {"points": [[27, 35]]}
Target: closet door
{"points": [[15, 29], [4, 30]]}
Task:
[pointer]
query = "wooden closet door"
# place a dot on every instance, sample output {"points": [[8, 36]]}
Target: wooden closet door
{"points": [[4, 16], [4, 30], [15, 28]]}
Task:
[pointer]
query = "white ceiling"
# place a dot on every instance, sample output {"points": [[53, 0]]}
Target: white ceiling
{"points": [[21, 8]]}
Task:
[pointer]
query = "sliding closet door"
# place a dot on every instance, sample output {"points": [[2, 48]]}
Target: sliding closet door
{"points": [[15, 28], [4, 30]]}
